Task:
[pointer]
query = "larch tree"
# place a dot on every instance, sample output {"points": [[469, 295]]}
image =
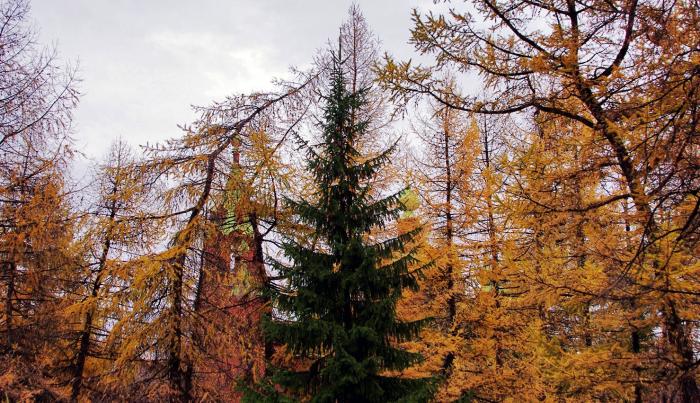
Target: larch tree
{"points": [[497, 354], [482, 336], [166, 340], [446, 159], [37, 97], [115, 234], [628, 71], [566, 248]]}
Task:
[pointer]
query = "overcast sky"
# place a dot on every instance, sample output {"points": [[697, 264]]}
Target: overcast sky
{"points": [[143, 63]]}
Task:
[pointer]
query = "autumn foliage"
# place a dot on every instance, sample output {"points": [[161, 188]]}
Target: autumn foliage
{"points": [[511, 215]]}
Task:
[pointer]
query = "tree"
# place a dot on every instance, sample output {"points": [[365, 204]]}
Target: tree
{"points": [[165, 341], [562, 60], [562, 249], [192, 301], [483, 332], [36, 222], [39, 259], [115, 235], [447, 145], [335, 307]]}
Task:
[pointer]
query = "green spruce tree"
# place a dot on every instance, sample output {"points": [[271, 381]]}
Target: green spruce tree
{"points": [[336, 309]]}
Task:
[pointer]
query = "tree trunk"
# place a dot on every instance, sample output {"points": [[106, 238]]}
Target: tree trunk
{"points": [[9, 307]]}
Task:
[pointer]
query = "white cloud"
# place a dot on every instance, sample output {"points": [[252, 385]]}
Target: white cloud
{"points": [[220, 61]]}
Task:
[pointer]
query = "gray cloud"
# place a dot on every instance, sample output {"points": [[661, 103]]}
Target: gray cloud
{"points": [[143, 63]]}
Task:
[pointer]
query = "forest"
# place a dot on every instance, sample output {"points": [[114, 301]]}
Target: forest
{"points": [[511, 215]]}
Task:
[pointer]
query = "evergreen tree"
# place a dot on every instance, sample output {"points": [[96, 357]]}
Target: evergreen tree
{"points": [[337, 307]]}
